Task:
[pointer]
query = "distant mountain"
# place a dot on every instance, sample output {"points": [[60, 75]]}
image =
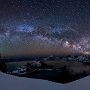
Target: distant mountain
{"points": [[51, 57]]}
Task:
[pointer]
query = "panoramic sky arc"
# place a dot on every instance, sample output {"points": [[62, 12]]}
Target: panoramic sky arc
{"points": [[44, 27]]}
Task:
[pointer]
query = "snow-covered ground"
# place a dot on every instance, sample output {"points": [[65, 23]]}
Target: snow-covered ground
{"points": [[9, 82]]}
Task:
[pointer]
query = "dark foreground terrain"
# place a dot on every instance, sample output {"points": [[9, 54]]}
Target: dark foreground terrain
{"points": [[62, 70]]}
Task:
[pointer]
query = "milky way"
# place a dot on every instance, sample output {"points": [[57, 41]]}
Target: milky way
{"points": [[44, 27]]}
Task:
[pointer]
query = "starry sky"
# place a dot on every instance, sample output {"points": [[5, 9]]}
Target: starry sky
{"points": [[44, 27]]}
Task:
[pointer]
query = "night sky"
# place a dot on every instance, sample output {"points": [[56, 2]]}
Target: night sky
{"points": [[44, 27]]}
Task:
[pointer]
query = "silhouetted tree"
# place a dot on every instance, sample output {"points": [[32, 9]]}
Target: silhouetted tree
{"points": [[28, 69], [3, 67]]}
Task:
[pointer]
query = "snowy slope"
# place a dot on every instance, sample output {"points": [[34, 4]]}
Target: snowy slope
{"points": [[9, 82]]}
